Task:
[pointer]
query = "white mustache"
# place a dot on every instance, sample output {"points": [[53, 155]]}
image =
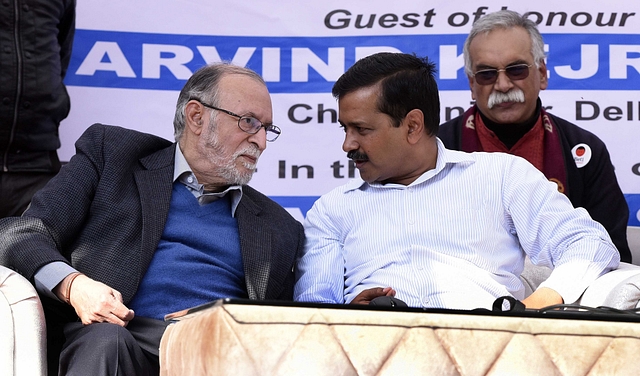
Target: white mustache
{"points": [[513, 95]]}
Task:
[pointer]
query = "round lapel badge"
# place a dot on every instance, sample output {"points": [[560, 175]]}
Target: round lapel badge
{"points": [[581, 154]]}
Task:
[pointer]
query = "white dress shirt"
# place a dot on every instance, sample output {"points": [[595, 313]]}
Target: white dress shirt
{"points": [[454, 238]]}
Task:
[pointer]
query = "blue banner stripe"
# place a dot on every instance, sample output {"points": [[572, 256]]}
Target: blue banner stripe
{"points": [[633, 200], [164, 61]]}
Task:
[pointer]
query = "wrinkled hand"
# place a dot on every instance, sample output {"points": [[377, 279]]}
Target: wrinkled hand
{"points": [[366, 296], [96, 302]]}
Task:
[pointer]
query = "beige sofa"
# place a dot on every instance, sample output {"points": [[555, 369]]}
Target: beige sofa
{"points": [[23, 350]]}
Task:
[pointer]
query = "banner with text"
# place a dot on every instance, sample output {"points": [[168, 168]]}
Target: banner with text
{"points": [[130, 59]]}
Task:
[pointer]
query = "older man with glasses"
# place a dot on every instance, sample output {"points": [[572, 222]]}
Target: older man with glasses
{"points": [[505, 63], [136, 227]]}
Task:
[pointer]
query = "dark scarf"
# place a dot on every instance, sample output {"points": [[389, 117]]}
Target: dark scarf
{"points": [[539, 142]]}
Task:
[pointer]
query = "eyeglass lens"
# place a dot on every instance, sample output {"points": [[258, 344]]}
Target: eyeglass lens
{"points": [[514, 72], [252, 125]]}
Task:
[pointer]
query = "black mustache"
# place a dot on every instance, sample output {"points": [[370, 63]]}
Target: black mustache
{"points": [[357, 156]]}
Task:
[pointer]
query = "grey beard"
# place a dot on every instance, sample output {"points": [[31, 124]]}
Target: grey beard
{"points": [[232, 174], [227, 168]]}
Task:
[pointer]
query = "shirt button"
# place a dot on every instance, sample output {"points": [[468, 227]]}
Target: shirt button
{"points": [[190, 179], [425, 301]]}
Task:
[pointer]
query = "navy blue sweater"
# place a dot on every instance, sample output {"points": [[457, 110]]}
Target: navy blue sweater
{"points": [[198, 259]]}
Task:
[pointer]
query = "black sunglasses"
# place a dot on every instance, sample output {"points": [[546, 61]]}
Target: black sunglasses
{"points": [[514, 72]]}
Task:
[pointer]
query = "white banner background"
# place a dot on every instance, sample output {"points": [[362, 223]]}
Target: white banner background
{"points": [[130, 59]]}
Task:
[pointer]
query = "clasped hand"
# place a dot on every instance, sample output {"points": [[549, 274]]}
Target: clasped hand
{"points": [[366, 296], [96, 302]]}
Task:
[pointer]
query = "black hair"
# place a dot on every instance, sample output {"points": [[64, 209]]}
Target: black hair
{"points": [[407, 82]]}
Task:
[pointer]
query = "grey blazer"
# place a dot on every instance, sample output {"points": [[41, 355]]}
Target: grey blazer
{"points": [[105, 212]]}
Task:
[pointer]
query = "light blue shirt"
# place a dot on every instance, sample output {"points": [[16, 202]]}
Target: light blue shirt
{"points": [[455, 238]]}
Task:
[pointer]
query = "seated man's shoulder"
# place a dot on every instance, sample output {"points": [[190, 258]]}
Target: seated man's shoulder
{"points": [[119, 138], [354, 194], [264, 203], [122, 134], [490, 161]]}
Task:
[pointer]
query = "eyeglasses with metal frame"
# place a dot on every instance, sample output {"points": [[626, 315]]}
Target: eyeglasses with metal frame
{"points": [[248, 124], [514, 72]]}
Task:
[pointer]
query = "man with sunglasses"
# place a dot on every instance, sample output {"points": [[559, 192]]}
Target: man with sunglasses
{"points": [[136, 227], [505, 63]]}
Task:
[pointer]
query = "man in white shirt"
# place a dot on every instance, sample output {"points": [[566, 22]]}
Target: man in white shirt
{"points": [[434, 227]]}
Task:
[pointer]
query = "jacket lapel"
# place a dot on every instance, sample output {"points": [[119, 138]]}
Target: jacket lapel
{"points": [[154, 185], [255, 245]]}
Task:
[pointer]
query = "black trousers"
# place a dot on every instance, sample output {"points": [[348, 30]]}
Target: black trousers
{"points": [[17, 189], [109, 349]]}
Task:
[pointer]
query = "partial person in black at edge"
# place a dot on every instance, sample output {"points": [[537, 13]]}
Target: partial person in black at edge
{"points": [[505, 64], [36, 38]]}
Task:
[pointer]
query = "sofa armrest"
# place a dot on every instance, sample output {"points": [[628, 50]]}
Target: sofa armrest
{"points": [[619, 289], [23, 349]]}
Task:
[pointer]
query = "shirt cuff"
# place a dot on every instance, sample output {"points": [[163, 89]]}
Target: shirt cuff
{"points": [[570, 280], [50, 275]]}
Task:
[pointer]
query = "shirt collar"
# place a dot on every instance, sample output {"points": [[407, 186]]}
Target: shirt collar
{"points": [[445, 156], [182, 172]]}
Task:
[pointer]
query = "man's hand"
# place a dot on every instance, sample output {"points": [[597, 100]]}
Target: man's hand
{"points": [[366, 296], [543, 297], [94, 301]]}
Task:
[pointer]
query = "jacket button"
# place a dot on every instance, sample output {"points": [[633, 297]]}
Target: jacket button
{"points": [[7, 49], [6, 101], [26, 104], [25, 7]]}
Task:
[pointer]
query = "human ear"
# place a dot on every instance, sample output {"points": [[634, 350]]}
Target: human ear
{"points": [[544, 77], [194, 113], [473, 94], [415, 125]]}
